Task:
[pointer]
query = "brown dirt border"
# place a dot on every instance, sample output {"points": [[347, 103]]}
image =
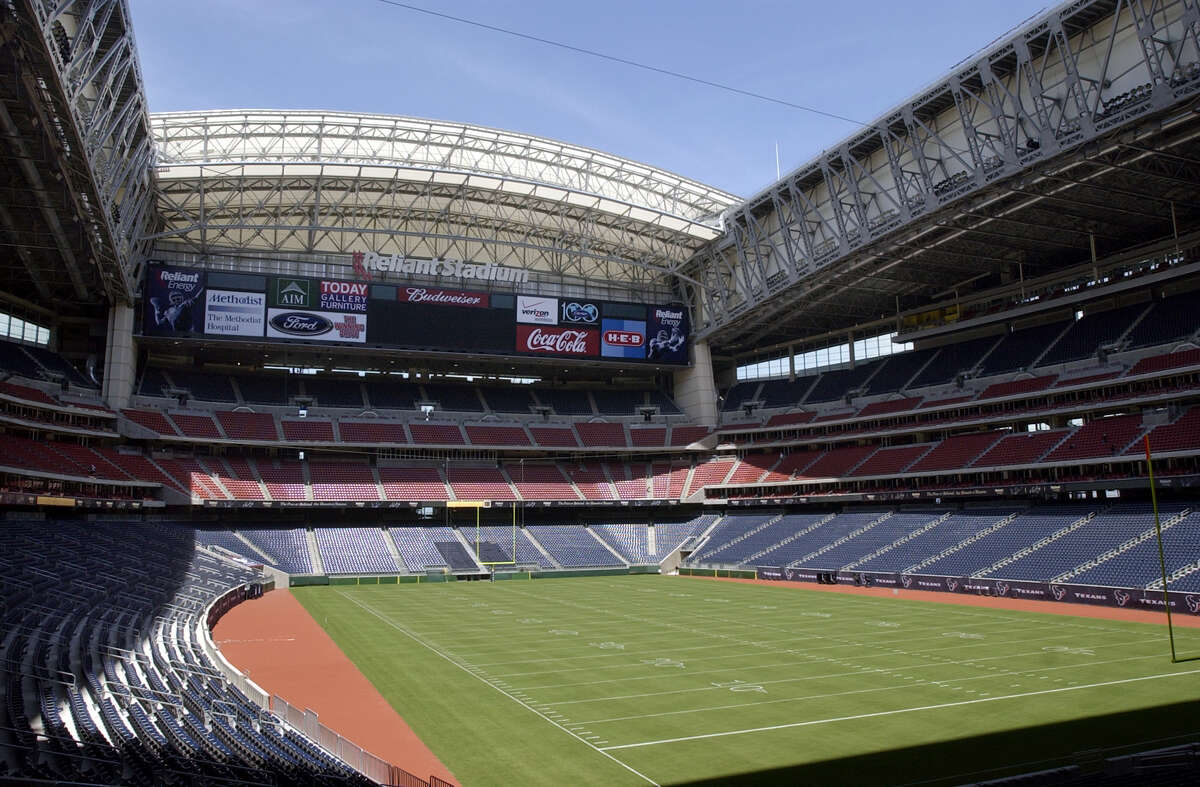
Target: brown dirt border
{"points": [[281, 648], [993, 602]]}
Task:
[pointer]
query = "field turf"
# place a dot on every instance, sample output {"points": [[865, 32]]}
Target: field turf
{"points": [[671, 680]]}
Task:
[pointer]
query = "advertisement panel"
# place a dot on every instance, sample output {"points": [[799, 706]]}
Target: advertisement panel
{"points": [[579, 313], [343, 296], [174, 301], [623, 338], [288, 293], [316, 326], [536, 310], [233, 306], [440, 297], [229, 313], [574, 342], [668, 334], [1127, 598]]}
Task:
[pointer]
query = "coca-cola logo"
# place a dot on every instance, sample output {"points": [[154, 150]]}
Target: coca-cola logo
{"points": [[559, 341], [624, 338], [300, 324], [442, 297]]}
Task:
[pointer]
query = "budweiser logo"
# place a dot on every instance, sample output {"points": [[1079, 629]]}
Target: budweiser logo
{"points": [[568, 342], [451, 297]]}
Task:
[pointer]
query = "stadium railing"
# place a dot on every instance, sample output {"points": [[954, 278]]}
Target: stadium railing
{"points": [[375, 768]]}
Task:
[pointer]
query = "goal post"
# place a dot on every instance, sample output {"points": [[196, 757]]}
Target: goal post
{"points": [[478, 506], [1162, 558]]}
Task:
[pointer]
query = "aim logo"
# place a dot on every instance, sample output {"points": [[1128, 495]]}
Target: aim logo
{"points": [[293, 293]]}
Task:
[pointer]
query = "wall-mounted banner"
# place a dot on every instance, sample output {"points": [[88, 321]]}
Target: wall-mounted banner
{"points": [[344, 296], [579, 313], [174, 301], [440, 297], [668, 334], [316, 326], [234, 313], [623, 338], [536, 310], [579, 342]]}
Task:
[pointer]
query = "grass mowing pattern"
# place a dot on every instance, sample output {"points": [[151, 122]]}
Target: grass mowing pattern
{"points": [[668, 680]]}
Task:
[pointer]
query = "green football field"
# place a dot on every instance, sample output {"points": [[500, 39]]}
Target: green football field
{"points": [[674, 680]]}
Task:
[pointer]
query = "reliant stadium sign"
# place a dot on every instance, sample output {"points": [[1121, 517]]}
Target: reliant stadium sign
{"points": [[368, 263]]}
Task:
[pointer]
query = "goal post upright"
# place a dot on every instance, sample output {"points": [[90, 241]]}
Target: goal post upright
{"points": [[1162, 559]]}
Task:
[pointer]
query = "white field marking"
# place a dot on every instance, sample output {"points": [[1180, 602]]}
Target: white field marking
{"points": [[697, 689], [894, 671], [654, 644], [988, 620], [899, 711], [854, 604], [486, 682], [876, 652]]}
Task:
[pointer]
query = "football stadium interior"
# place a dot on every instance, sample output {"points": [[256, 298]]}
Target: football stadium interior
{"points": [[261, 352]]}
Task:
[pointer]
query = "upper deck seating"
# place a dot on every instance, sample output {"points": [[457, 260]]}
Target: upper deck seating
{"points": [[392, 393], [1172, 319], [566, 401], [454, 398], [1088, 333], [328, 392], [1097, 438], [508, 399], [248, 426], [342, 481], [412, 483], [897, 370], [479, 483], [204, 386], [267, 388], [953, 359], [1019, 349]]}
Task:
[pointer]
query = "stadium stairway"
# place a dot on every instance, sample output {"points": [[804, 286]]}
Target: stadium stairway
{"points": [[838, 542], [392, 550], [525, 534], [314, 552], [790, 538], [971, 539], [1144, 536], [606, 545], [1050, 539], [902, 540]]}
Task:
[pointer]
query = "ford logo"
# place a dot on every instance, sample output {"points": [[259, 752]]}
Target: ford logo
{"points": [[301, 324]]}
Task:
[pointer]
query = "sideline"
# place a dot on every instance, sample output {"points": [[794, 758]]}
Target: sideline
{"points": [[967, 600], [280, 647]]}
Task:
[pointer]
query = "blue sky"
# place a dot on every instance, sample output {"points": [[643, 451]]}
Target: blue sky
{"points": [[365, 56]]}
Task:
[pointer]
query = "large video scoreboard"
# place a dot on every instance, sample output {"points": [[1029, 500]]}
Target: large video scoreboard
{"points": [[199, 304]]}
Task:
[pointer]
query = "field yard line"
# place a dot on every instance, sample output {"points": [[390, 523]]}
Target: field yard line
{"points": [[1025, 675], [864, 671], [486, 682], [898, 711]]}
